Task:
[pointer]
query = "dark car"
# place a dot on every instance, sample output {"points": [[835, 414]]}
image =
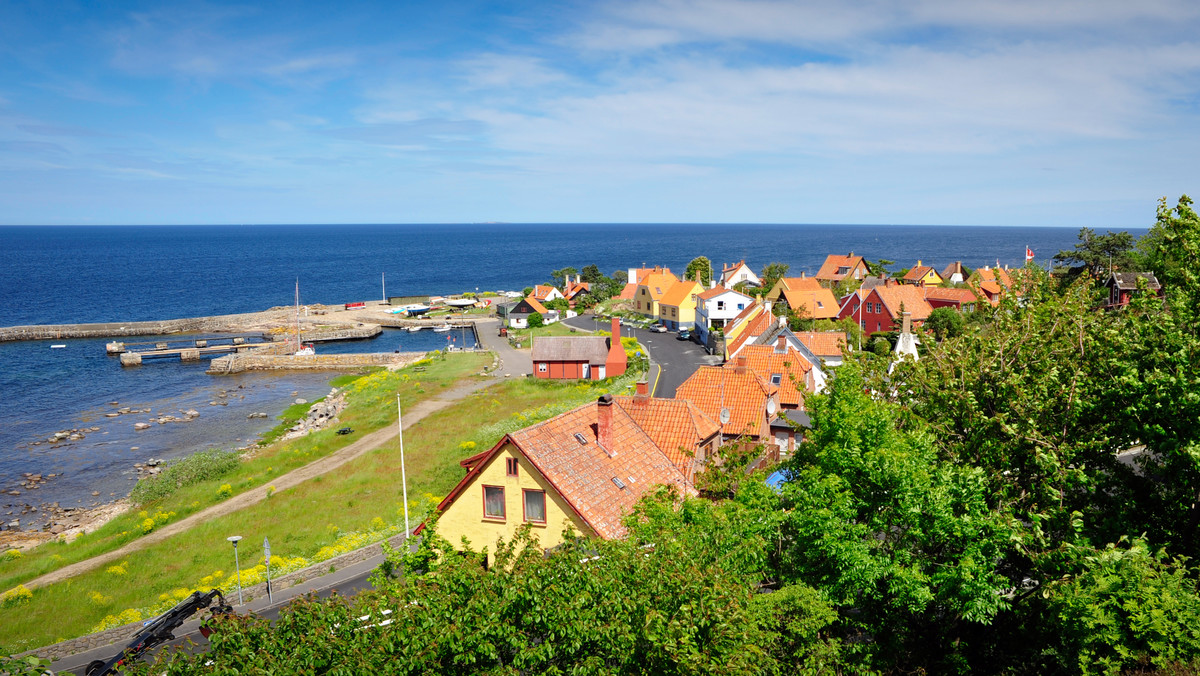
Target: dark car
{"points": [[684, 334]]}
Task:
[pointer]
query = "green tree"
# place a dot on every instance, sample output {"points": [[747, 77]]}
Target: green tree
{"points": [[591, 274], [945, 322], [527, 292], [878, 268], [702, 265], [560, 304], [771, 273], [535, 320], [1098, 254], [560, 276]]}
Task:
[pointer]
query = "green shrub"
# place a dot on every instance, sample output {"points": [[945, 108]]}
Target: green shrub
{"points": [[210, 464]]}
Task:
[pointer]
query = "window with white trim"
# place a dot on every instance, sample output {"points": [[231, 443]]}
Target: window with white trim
{"points": [[493, 502], [535, 505]]}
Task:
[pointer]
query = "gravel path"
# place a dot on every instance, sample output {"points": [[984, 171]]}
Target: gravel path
{"points": [[251, 497]]}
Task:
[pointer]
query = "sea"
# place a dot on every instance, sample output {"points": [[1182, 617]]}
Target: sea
{"points": [[81, 274]]}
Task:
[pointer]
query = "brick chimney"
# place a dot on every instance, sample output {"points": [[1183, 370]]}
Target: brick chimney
{"points": [[781, 346], [604, 423], [739, 364], [643, 390], [616, 363], [906, 319]]}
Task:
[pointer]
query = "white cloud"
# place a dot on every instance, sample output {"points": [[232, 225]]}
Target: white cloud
{"points": [[506, 71]]}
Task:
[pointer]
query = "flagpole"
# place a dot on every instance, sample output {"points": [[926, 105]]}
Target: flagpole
{"points": [[403, 478]]}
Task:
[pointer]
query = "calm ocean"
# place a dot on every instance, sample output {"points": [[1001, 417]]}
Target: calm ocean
{"points": [[68, 274]]}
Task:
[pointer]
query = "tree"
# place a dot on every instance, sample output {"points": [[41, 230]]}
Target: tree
{"points": [[945, 322], [560, 304], [527, 292], [535, 320], [702, 265], [1098, 254], [591, 274], [878, 268], [560, 276], [771, 273]]}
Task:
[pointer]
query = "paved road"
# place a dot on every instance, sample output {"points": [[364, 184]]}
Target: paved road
{"points": [[679, 359]]}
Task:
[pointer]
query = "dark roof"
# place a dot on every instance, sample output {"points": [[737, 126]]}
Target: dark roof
{"points": [[797, 416], [592, 349], [1128, 280]]}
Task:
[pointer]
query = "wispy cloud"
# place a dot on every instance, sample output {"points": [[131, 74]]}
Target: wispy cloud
{"points": [[60, 130], [416, 133]]}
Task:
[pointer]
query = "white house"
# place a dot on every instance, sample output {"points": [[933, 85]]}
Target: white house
{"points": [[736, 273], [715, 307]]}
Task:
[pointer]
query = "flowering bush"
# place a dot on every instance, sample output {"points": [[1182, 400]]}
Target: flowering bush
{"points": [[12, 597], [118, 569], [224, 491]]}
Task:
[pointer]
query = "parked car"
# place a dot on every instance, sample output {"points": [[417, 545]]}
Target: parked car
{"points": [[659, 328], [684, 334]]}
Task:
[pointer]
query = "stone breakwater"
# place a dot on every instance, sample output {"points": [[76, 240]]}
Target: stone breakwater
{"points": [[223, 323], [237, 363]]}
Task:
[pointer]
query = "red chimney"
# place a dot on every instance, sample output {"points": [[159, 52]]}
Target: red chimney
{"points": [[616, 363], [782, 345], [739, 365], [604, 422], [643, 389]]}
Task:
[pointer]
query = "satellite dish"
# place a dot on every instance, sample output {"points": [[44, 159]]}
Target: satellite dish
{"points": [[770, 407], [724, 416]]}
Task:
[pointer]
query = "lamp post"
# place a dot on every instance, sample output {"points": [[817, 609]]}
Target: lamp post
{"points": [[238, 566]]}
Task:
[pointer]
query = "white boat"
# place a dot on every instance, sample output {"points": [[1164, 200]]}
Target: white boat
{"points": [[414, 329], [306, 351], [415, 309], [57, 347], [442, 329], [461, 302]]}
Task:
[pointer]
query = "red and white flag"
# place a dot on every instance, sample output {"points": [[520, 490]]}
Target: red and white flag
{"points": [[1028, 254]]}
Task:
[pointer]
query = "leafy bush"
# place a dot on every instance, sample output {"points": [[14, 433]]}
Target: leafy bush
{"points": [[202, 466]]}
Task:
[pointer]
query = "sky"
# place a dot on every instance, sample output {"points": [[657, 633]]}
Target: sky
{"points": [[1007, 112]]}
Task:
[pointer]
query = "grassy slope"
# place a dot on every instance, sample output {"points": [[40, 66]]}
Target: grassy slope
{"points": [[300, 521]]}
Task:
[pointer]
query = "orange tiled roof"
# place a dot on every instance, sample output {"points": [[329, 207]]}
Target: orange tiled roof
{"points": [[718, 290], [800, 283], [823, 343], [657, 284], [957, 295], [911, 297], [739, 390], [542, 292], [574, 288], [917, 273], [999, 275], [640, 273], [819, 303], [829, 269], [755, 327], [766, 361], [677, 426], [679, 292], [537, 307], [628, 292], [583, 473]]}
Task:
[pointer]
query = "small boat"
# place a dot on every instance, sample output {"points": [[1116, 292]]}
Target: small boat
{"points": [[461, 302], [414, 329], [306, 351], [57, 347], [441, 329], [415, 309]]}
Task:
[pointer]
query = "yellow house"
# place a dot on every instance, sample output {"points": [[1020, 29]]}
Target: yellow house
{"points": [[583, 470], [922, 275], [651, 290], [677, 307]]}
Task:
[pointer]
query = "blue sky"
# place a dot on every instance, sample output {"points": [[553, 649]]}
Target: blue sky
{"points": [[1006, 112]]}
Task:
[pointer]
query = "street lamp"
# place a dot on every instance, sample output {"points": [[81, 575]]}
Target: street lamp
{"points": [[238, 566]]}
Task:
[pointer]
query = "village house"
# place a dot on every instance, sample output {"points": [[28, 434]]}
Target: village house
{"points": [[922, 275], [677, 307], [716, 307], [824, 345], [837, 268], [575, 290], [634, 276], [954, 273], [583, 470], [544, 293], [518, 315], [879, 309], [650, 292], [783, 338], [738, 273], [752, 322], [742, 401], [1122, 286], [963, 300], [580, 357], [687, 435], [991, 283], [805, 296]]}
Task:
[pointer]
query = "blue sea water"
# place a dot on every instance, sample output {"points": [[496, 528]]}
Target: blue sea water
{"points": [[75, 274]]}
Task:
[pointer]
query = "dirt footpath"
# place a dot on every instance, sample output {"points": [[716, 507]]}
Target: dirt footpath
{"points": [[295, 477]]}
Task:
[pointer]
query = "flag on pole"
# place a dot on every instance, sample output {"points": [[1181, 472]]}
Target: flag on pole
{"points": [[1028, 254]]}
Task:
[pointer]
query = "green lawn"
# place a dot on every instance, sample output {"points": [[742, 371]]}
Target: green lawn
{"points": [[361, 497]]}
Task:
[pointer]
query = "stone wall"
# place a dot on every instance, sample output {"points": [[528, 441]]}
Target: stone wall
{"points": [[124, 633], [237, 363]]}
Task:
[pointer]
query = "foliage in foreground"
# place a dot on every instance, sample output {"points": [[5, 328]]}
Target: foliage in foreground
{"points": [[193, 469]]}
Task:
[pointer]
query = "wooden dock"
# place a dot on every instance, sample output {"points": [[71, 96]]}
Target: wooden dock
{"points": [[187, 349]]}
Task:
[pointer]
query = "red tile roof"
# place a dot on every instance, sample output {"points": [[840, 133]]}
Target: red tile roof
{"points": [[677, 427], [628, 292], [818, 303], [954, 295], [542, 292], [911, 297], [574, 289], [829, 269], [742, 391], [792, 368], [756, 325], [823, 343], [918, 272]]}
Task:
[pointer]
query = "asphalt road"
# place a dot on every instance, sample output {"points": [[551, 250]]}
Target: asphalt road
{"points": [[679, 359]]}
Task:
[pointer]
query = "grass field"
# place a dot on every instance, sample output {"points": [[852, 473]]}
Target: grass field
{"points": [[349, 507]]}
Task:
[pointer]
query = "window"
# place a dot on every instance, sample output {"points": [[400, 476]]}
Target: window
{"points": [[541, 367], [493, 502], [510, 466], [720, 305], [741, 306], [535, 506], [776, 378]]}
